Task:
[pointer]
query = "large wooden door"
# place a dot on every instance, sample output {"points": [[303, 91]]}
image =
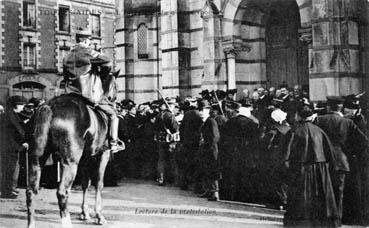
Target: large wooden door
{"points": [[285, 63]]}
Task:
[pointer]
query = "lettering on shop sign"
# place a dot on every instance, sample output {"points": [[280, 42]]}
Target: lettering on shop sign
{"points": [[23, 78]]}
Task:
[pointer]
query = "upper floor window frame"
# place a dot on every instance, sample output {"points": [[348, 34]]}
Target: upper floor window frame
{"points": [[64, 10], [29, 15], [95, 19]]}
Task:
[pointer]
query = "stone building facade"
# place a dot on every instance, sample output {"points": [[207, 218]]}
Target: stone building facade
{"points": [[35, 35], [184, 46]]}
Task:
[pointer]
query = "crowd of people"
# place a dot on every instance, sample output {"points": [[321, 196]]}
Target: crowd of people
{"points": [[273, 147]]}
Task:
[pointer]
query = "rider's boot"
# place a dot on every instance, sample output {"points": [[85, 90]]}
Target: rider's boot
{"points": [[115, 144]]}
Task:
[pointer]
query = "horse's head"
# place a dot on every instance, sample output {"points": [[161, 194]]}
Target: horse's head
{"points": [[109, 84]]}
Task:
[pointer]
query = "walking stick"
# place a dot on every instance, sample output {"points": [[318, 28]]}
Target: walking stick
{"points": [[27, 171], [58, 171], [220, 106], [165, 102]]}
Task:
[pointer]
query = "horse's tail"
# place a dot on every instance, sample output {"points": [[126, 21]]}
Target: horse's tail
{"points": [[42, 120]]}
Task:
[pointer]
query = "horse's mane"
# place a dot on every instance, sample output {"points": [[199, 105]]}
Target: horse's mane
{"points": [[73, 97]]}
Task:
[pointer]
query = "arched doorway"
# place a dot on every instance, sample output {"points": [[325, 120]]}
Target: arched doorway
{"points": [[265, 36], [286, 56], [29, 89]]}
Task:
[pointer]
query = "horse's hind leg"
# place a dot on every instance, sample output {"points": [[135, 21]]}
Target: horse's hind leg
{"points": [[69, 171], [99, 186], [85, 185]]}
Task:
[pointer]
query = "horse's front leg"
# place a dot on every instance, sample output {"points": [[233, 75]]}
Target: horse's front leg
{"points": [[85, 215], [99, 186], [32, 189]]}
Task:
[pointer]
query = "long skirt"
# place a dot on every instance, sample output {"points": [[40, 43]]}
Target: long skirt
{"points": [[310, 200]]}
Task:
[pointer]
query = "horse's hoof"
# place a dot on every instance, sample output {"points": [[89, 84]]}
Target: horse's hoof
{"points": [[101, 220], [66, 222], [84, 216], [31, 225]]}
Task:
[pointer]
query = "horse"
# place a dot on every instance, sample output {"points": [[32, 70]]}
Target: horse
{"points": [[76, 133]]}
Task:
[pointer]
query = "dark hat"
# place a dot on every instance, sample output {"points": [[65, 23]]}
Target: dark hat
{"points": [[17, 100], [335, 100], [202, 103], [103, 60], [204, 93], [171, 100], [233, 105], [245, 103], [305, 110], [216, 107], [147, 103], [151, 114], [221, 94], [27, 113], [34, 101], [127, 102], [352, 102], [231, 91], [276, 102]]}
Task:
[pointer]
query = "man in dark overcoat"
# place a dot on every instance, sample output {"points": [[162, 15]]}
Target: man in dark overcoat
{"points": [[240, 156], [13, 141], [348, 142], [209, 154], [190, 137]]}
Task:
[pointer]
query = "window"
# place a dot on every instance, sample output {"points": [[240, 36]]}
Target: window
{"points": [[29, 14], [142, 41], [63, 51], [29, 90], [29, 56], [95, 25], [64, 18]]}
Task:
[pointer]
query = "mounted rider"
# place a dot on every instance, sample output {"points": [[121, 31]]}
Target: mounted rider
{"points": [[82, 69]]}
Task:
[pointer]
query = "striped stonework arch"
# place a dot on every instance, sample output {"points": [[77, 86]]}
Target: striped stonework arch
{"points": [[245, 24], [231, 8]]}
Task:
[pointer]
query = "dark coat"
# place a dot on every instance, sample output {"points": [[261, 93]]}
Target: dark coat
{"points": [[12, 132], [210, 134], [123, 127], [190, 128], [346, 137], [240, 142], [311, 200], [309, 144], [166, 121], [209, 149]]}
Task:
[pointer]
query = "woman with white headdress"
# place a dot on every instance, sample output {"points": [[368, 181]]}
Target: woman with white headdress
{"points": [[275, 141]]}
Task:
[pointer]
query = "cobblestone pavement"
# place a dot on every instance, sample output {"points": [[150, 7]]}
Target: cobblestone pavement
{"points": [[141, 204]]}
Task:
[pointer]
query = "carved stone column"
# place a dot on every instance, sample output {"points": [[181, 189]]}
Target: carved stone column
{"points": [[231, 67]]}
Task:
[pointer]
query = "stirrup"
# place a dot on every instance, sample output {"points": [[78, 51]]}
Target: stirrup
{"points": [[117, 145]]}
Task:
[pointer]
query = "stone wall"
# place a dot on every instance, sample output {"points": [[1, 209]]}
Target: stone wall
{"points": [[220, 44], [48, 40]]}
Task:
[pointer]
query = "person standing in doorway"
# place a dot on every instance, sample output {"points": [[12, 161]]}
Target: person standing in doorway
{"points": [[13, 141]]}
